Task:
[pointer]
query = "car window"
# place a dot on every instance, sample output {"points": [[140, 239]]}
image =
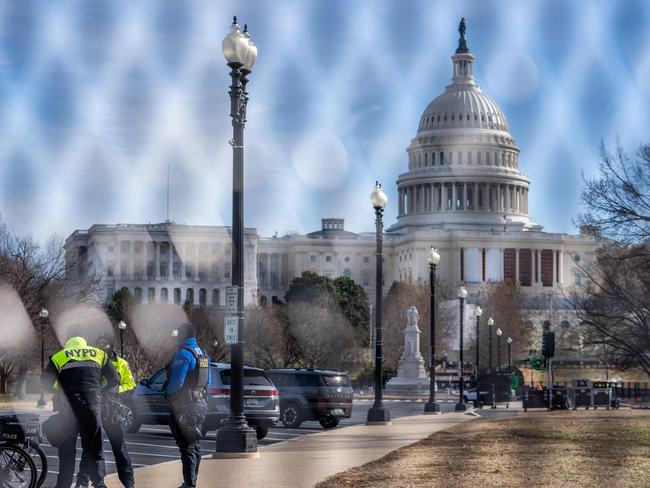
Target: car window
{"points": [[335, 380], [251, 378], [278, 379], [159, 378], [307, 379]]}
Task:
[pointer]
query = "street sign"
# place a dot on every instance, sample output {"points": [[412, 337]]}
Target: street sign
{"points": [[231, 329], [232, 299]]}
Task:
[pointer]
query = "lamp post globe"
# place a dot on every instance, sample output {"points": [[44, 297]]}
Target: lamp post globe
{"points": [[431, 406], [461, 406], [43, 315], [378, 414], [122, 327], [236, 438]]}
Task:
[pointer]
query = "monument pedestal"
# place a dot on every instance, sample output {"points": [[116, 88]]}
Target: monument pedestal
{"points": [[411, 376]]}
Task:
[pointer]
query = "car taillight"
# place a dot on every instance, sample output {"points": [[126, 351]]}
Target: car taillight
{"points": [[262, 393], [218, 392]]}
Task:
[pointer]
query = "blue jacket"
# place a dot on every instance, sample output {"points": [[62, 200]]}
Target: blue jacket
{"points": [[182, 363]]}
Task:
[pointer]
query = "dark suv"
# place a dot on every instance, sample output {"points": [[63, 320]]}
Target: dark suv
{"points": [[312, 394], [261, 402]]}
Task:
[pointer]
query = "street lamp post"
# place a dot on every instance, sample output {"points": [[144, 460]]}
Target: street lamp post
{"points": [[499, 334], [431, 406], [122, 326], [378, 414], [236, 437], [461, 406], [478, 312], [43, 314], [490, 323], [509, 341]]}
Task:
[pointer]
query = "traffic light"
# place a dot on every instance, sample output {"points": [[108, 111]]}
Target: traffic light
{"points": [[548, 344]]}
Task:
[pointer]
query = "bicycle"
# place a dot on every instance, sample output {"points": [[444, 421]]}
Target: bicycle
{"points": [[23, 464]]}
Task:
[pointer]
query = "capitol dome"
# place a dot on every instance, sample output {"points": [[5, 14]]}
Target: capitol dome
{"points": [[463, 169]]}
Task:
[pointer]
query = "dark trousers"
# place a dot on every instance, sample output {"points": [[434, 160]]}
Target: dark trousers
{"points": [[186, 423], [82, 415], [116, 437]]}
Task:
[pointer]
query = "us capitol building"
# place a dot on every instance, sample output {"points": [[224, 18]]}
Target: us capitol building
{"points": [[463, 191]]}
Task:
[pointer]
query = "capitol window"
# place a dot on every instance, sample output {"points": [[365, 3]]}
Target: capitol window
{"points": [[328, 259], [312, 258], [365, 279], [366, 259], [347, 259]]}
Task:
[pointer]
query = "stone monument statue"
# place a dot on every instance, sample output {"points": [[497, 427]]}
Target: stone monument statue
{"points": [[411, 373]]}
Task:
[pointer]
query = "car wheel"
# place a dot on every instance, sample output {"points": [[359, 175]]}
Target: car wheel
{"points": [[291, 415], [261, 431], [328, 422], [131, 421]]}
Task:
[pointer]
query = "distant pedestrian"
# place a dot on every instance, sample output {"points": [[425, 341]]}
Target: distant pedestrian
{"points": [[80, 372], [539, 386], [112, 419], [185, 390]]}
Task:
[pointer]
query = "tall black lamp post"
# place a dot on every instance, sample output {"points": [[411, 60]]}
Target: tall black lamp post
{"points": [[461, 406], [490, 323], [378, 414], [499, 334], [236, 438], [43, 314], [478, 312], [431, 406], [122, 326], [509, 341]]}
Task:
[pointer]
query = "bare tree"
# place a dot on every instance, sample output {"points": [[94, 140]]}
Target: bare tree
{"points": [[323, 335], [504, 303], [614, 306], [618, 200], [37, 274]]}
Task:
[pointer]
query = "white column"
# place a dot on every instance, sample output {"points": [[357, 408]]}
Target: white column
{"points": [[553, 273], [475, 197], [517, 264], [539, 266], [454, 196], [532, 267], [268, 270], [464, 196], [157, 264]]}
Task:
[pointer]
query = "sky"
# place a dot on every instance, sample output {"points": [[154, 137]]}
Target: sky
{"points": [[99, 97]]}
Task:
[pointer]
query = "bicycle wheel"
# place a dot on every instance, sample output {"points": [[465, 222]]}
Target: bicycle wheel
{"points": [[39, 458], [17, 469]]}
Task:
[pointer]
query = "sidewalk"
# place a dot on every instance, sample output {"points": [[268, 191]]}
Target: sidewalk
{"points": [[302, 462]]}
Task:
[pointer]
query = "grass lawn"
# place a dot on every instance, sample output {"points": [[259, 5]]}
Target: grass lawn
{"points": [[590, 449]]}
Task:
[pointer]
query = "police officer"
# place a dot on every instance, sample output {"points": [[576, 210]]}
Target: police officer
{"points": [[111, 419], [185, 390], [80, 372]]}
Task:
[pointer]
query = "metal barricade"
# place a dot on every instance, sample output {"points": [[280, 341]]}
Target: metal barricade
{"points": [[601, 394], [535, 398], [581, 394], [560, 398]]}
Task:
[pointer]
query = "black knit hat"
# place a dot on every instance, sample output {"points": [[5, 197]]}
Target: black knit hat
{"points": [[185, 331]]}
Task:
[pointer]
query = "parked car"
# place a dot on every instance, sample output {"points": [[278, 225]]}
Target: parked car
{"points": [[312, 394], [261, 401]]}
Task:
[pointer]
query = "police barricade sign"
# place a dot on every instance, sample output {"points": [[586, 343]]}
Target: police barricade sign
{"points": [[231, 329]]}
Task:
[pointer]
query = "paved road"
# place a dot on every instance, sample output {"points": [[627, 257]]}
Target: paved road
{"points": [[154, 444]]}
